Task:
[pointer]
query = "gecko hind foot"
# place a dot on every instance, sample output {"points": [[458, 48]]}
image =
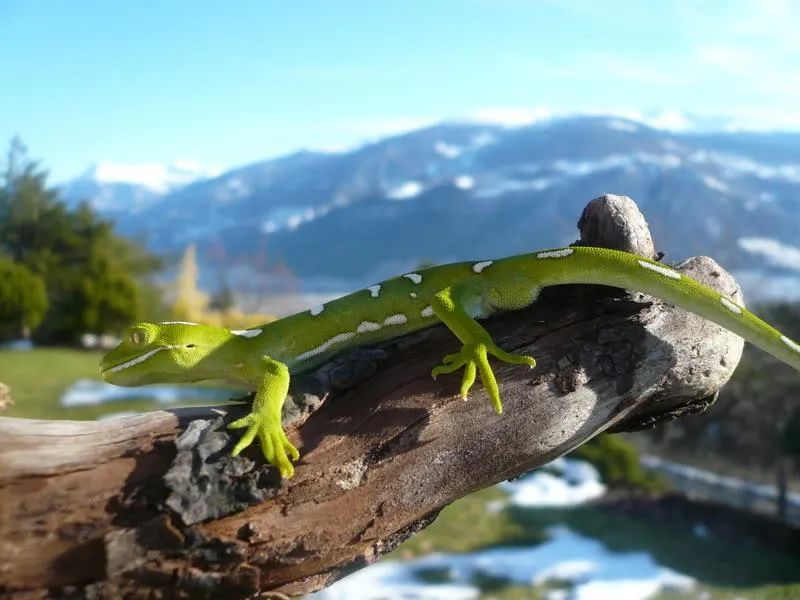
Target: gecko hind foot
{"points": [[474, 359]]}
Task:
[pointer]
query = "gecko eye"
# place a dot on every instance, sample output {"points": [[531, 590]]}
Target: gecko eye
{"points": [[138, 336], [190, 345]]}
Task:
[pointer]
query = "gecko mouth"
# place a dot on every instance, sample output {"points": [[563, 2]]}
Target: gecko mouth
{"points": [[134, 361]]}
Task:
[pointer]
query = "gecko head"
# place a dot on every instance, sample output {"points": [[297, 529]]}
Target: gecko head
{"points": [[161, 352]]}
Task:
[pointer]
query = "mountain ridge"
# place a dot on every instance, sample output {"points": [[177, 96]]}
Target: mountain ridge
{"points": [[457, 191]]}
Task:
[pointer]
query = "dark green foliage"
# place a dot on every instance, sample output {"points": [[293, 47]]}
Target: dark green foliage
{"points": [[790, 437], [223, 299], [90, 274], [23, 300], [618, 463]]}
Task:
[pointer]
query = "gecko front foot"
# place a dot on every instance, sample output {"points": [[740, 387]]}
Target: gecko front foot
{"points": [[474, 358], [275, 445]]}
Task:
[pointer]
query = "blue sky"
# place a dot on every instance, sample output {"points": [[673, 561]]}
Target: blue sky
{"points": [[226, 83]]}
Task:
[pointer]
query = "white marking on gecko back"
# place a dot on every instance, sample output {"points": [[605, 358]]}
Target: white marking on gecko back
{"points": [[480, 266], [398, 319], [731, 306], [427, 312], [248, 333], [374, 290], [413, 294], [415, 277], [339, 337], [366, 326], [792, 344], [315, 310], [665, 271], [555, 253]]}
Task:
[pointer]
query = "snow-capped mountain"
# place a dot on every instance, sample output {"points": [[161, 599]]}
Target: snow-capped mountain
{"points": [[121, 188], [475, 190]]}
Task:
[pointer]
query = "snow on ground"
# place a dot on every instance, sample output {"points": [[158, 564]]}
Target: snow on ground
{"points": [[580, 565], [577, 567], [16, 345], [89, 392], [565, 482]]}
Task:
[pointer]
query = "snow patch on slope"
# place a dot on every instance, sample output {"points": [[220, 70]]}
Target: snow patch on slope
{"points": [[733, 165], [715, 184], [405, 191], [563, 170], [464, 182], [447, 150], [620, 125], [777, 253], [156, 178]]}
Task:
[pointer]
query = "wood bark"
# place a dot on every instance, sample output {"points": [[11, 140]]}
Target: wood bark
{"points": [[153, 506]]}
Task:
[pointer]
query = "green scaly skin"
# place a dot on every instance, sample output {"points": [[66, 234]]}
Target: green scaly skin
{"points": [[263, 358]]}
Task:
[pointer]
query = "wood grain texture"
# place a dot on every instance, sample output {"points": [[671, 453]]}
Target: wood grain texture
{"points": [[118, 508]]}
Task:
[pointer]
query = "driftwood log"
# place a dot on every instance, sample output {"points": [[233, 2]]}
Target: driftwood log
{"points": [[153, 506]]}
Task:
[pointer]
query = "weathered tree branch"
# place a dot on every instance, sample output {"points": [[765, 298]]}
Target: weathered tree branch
{"points": [[120, 508]]}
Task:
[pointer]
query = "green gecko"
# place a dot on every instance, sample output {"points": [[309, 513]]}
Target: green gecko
{"points": [[456, 294]]}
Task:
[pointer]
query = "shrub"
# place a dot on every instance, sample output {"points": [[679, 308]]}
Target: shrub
{"points": [[618, 463], [23, 301]]}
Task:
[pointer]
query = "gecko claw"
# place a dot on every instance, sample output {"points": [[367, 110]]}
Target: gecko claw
{"points": [[474, 358]]}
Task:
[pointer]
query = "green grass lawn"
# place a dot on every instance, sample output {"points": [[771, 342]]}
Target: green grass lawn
{"points": [[39, 377]]}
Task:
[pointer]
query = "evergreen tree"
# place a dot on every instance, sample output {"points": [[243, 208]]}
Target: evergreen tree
{"points": [[91, 275]]}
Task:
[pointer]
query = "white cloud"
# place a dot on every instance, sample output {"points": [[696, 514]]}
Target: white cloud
{"points": [[447, 150]]}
